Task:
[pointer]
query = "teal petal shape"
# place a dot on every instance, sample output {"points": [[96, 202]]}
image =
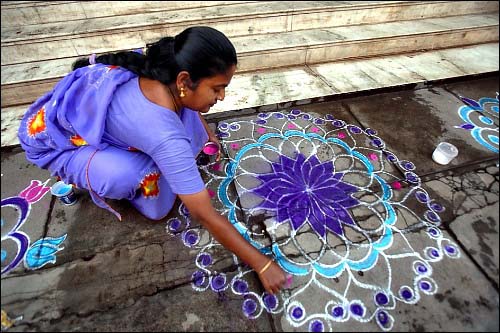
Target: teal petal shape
{"points": [[43, 252]]}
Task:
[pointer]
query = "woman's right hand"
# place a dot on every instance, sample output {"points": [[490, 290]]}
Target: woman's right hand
{"points": [[273, 278]]}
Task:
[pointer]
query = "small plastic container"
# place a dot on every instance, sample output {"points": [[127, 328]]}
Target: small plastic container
{"points": [[65, 193], [211, 148], [444, 153]]}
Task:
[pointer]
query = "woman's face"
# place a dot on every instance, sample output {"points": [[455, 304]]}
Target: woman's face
{"points": [[208, 92]]}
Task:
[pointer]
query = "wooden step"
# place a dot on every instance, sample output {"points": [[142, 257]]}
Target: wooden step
{"points": [[267, 90], [23, 83]]}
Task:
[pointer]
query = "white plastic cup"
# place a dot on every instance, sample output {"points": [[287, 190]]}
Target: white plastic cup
{"points": [[64, 193], [444, 153]]}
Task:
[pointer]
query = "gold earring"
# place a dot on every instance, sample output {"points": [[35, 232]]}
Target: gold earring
{"points": [[182, 94]]}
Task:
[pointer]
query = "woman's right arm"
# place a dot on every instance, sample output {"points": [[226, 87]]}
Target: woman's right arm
{"points": [[200, 207]]}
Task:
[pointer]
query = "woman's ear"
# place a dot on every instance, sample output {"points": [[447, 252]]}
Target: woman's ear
{"points": [[184, 81]]}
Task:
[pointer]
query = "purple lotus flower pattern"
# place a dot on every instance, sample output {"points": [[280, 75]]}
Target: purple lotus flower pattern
{"points": [[304, 190]]}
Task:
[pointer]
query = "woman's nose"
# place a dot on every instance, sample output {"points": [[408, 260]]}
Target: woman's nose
{"points": [[221, 95]]}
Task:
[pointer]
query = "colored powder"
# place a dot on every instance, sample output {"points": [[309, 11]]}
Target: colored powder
{"points": [[341, 135], [210, 149], [373, 157], [261, 130], [63, 190], [396, 185]]}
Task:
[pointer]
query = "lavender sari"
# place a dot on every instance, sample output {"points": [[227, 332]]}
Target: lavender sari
{"points": [[97, 130]]}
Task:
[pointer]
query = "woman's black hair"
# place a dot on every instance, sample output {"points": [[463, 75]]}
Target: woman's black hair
{"points": [[201, 51]]}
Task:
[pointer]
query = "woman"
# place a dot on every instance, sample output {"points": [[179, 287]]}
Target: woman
{"points": [[128, 126]]}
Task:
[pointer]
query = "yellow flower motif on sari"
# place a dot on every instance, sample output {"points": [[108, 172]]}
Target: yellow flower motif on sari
{"points": [[149, 185], [37, 123], [78, 140]]}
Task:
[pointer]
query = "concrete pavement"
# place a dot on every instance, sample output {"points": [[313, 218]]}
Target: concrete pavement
{"points": [[345, 195]]}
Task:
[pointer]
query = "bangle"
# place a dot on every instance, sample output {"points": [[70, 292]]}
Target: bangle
{"points": [[266, 266]]}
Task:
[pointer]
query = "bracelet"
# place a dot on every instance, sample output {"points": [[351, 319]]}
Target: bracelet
{"points": [[266, 266]]}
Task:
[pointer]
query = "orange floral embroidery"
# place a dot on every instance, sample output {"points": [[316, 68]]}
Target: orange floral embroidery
{"points": [[37, 123], [78, 140], [149, 185], [112, 67]]}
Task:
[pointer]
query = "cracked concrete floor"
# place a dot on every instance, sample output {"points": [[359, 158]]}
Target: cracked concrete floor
{"points": [[81, 270]]}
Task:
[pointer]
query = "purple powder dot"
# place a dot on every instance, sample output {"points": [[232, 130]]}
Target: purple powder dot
{"points": [[391, 158], [467, 126], [434, 253], [223, 135], [249, 307], [406, 294], [433, 216], [422, 197], [370, 131], [291, 117], [240, 286], [425, 285], [297, 312], [329, 117], [295, 112], [450, 249], [411, 177], [270, 301], [338, 311], [437, 207], [261, 121], [306, 116], [433, 232], [218, 282], [383, 318], [355, 129], [421, 269], [377, 142], [175, 224], [381, 299], [409, 166], [338, 123], [191, 237], [279, 115], [316, 326], [234, 127], [198, 278], [223, 125], [205, 259], [262, 115], [357, 309], [318, 121]]}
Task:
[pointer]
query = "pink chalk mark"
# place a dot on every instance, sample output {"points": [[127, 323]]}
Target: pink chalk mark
{"points": [[396, 185], [315, 129], [291, 126], [35, 191], [373, 156], [261, 130], [341, 135], [211, 193], [234, 146], [289, 281]]}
